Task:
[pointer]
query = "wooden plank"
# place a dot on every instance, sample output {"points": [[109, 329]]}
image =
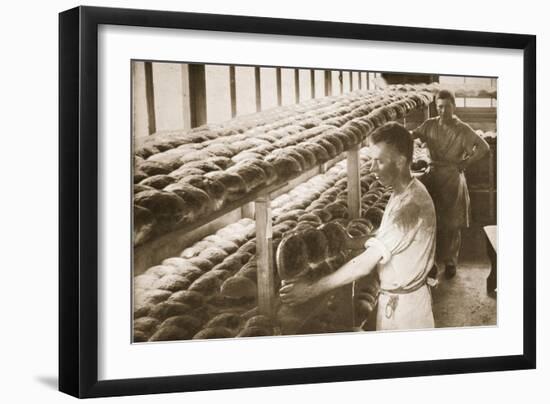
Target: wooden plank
{"points": [[351, 81], [150, 98], [153, 252], [257, 84], [264, 255], [279, 86], [328, 83], [368, 81], [341, 80], [360, 80], [312, 82], [197, 94], [297, 85], [354, 202], [233, 91], [186, 101], [354, 182]]}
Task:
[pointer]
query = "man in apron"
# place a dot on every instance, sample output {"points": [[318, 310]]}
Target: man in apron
{"points": [[402, 249], [453, 146]]}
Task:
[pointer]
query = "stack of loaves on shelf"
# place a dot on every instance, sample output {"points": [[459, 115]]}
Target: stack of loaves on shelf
{"points": [[209, 290], [182, 176]]}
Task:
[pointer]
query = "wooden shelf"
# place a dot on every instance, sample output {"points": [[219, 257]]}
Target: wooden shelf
{"points": [[171, 244]]}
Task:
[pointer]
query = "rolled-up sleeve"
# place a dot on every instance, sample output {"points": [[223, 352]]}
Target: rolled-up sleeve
{"points": [[397, 233], [373, 242]]}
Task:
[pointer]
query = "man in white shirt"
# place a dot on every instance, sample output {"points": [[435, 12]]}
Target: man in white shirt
{"points": [[402, 249]]}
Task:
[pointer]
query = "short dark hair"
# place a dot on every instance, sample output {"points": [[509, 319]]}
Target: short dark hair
{"points": [[396, 135], [445, 95]]}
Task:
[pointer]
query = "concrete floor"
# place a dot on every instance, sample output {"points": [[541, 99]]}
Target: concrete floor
{"points": [[463, 300]]}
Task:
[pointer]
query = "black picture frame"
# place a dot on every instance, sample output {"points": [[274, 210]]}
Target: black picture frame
{"points": [[78, 196]]}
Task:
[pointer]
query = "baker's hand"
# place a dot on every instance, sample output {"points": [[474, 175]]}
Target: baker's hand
{"points": [[296, 292]]}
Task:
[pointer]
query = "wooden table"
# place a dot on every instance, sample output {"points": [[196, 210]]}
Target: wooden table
{"points": [[491, 235]]}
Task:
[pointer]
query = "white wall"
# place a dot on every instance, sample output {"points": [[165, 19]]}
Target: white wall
{"points": [[29, 225]]}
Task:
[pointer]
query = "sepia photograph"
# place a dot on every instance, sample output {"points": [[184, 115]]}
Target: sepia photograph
{"points": [[275, 201]]}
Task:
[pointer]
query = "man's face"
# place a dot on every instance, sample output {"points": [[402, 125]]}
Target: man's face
{"points": [[384, 162], [445, 108]]}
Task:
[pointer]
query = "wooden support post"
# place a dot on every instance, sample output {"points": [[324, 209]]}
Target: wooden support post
{"points": [[354, 203], [312, 82], [279, 86], [233, 91], [360, 80], [297, 85], [341, 80], [150, 98], [247, 210], [328, 83], [186, 102], [197, 94], [354, 183], [258, 86], [351, 81], [264, 256], [368, 81]]}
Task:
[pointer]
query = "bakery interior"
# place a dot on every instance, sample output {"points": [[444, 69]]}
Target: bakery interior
{"points": [[230, 162]]}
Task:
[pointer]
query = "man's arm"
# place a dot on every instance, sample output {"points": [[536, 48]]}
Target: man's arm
{"points": [[480, 148], [299, 291]]}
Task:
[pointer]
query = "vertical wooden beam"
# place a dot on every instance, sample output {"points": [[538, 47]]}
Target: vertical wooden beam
{"points": [[360, 80], [233, 91], [297, 85], [368, 81], [186, 102], [197, 94], [354, 203], [312, 82], [350, 81], [279, 83], [150, 98], [328, 83], [341, 80], [258, 86], [264, 250], [354, 182]]}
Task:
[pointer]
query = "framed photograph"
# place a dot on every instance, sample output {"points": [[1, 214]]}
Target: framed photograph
{"points": [[250, 201]]}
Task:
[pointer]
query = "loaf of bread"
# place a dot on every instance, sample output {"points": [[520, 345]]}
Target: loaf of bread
{"points": [[166, 207], [214, 333], [144, 224], [292, 256], [139, 188], [196, 200], [168, 309], [206, 284], [172, 283], [316, 245], [202, 263], [153, 168], [190, 298], [187, 322], [254, 332], [147, 325], [238, 287]]}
